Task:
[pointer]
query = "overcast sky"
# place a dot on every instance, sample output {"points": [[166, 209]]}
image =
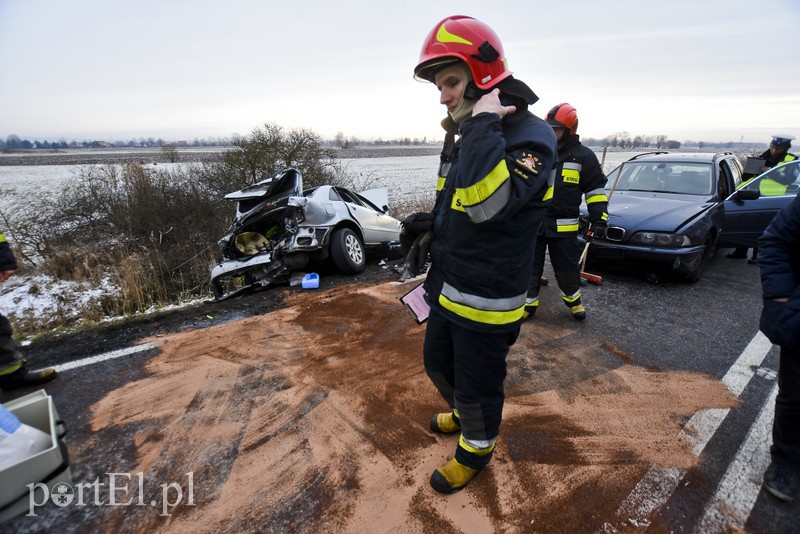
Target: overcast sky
{"points": [[713, 70]]}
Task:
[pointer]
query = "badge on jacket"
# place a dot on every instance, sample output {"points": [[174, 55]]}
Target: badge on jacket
{"points": [[530, 162]]}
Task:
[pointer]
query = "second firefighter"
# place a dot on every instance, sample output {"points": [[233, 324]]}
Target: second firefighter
{"points": [[577, 175]]}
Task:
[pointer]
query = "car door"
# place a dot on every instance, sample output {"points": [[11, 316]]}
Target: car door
{"points": [[746, 217], [387, 228], [372, 222]]}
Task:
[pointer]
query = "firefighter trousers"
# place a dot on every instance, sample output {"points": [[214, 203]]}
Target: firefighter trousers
{"points": [[10, 359], [8, 349], [565, 255], [468, 368]]}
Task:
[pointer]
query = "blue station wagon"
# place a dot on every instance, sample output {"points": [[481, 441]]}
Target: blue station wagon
{"points": [[668, 209]]}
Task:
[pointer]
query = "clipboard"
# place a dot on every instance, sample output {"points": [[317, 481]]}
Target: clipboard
{"points": [[414, 301], [753, 165]]}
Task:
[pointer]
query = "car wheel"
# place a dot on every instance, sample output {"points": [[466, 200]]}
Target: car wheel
{"points": [[347, 251], [697, 273]]}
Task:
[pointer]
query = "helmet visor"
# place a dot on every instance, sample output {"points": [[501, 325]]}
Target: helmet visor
{"points": [[426, 72]]}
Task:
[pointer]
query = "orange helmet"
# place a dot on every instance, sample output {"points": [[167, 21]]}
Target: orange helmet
{"points": [[563, 116], [469, 40]]}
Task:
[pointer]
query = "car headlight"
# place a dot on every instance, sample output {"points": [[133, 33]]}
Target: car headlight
{"points": [[659, 239]]}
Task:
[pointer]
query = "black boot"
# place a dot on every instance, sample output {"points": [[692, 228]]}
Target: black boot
{"points": [[24, 377]]}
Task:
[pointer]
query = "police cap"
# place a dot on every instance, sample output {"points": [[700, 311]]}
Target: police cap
{"points": [[781, 140]]}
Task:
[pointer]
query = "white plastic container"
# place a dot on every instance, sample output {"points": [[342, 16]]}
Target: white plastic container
{"points": [[49, 466]]}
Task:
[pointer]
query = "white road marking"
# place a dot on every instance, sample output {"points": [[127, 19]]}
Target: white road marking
{"points": [[737, 492], [103, 357], [659, 483]]}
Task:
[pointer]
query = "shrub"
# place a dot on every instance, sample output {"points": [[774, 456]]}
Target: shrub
{"points": [[271, 148]]}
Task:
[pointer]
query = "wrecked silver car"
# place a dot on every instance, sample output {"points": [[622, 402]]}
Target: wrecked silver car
{"points": [[279, 228]]}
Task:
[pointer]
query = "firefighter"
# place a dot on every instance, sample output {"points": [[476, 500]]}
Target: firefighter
{"points": [[14, 372], [780, 321], [578, 175], [492, 194], [777, 153]]}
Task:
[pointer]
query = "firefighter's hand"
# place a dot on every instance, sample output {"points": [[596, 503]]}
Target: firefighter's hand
{"points": [[5, 275], [490, 103], [597, 230]]}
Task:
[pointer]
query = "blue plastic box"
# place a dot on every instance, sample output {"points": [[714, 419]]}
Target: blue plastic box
{"points": [[311, 281]]}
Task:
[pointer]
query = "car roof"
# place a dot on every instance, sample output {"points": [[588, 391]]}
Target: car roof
{"points": [[697, 157]]}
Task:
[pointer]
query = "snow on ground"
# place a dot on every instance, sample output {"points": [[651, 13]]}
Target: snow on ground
{"points": [[38, 296]]}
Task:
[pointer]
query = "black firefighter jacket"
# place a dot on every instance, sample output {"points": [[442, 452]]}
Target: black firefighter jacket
{"points": [[487, 214], [578, 174]]}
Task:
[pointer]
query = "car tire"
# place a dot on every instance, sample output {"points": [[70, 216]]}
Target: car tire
{"points": [[697, 273], [347, 251]]}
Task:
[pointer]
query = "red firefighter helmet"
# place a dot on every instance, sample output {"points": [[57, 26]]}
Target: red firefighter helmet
{"points": [[471, 41], [563, 116]]}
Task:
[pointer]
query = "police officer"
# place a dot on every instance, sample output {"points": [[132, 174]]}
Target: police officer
{"points": [[777, 153], [492, 194], [14, 372], [578, 175], [780, 321]]}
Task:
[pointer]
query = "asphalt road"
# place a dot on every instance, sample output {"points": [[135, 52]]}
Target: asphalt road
{"points": [[710, 327]]}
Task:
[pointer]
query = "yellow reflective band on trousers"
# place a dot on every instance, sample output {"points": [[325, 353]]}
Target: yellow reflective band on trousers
{"points": [[440, 183], [571, 298], [474, 450], [483, 190], [567, 225], [481, 309], [2, 238]]}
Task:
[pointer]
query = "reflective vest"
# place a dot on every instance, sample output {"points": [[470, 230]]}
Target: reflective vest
{"points": [[490, 204], [769, 187]]}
